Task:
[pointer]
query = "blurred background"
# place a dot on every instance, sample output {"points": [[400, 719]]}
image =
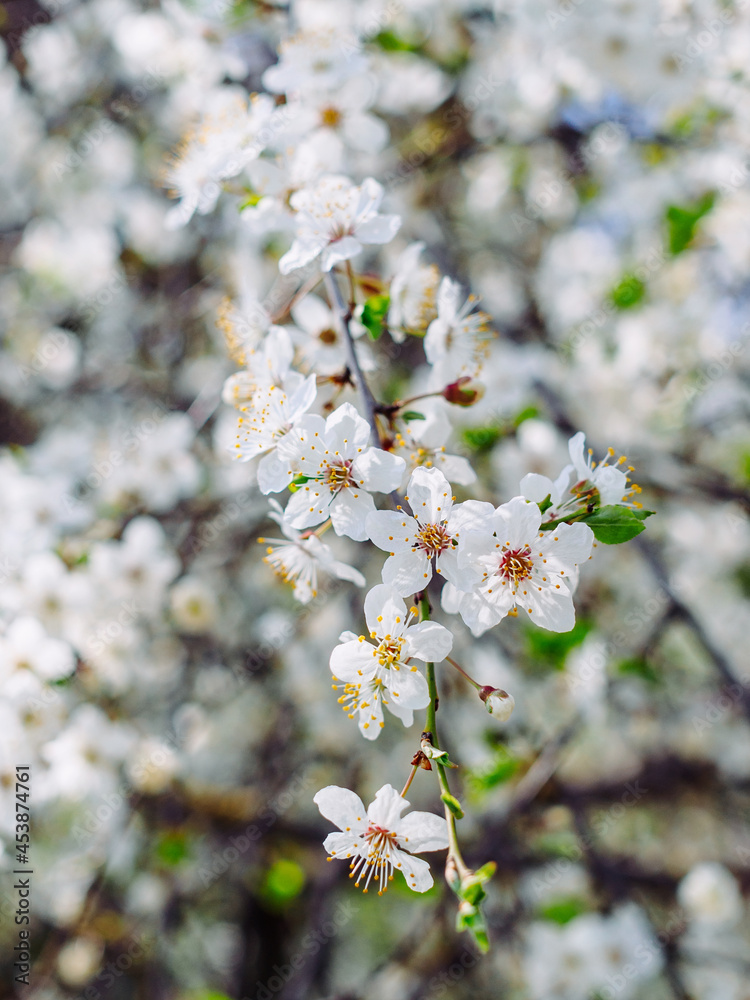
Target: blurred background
{"points": [[583, 167]]}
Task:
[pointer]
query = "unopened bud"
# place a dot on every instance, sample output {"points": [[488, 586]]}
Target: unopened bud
{"points": [[464, 392], [497, 702], [452, 876]]}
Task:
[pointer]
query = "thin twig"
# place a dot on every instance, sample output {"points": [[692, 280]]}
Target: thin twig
{"points": [[343, 315]]}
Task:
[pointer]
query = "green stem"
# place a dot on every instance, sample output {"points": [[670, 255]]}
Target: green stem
{"points": [[431, 726]]}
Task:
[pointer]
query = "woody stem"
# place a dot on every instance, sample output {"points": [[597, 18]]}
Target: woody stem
{"points": [[431, 726], [343, 315]]}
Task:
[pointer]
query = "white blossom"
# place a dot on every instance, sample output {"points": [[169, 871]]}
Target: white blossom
{"points": [[379, 840], [520, 567], [298, 558], [371, 673], [429, 537], [338, 470], [457, 341], [334, 219]]}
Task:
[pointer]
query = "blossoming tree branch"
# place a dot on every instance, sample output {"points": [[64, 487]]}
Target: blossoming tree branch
{"points": [[376, 472]]}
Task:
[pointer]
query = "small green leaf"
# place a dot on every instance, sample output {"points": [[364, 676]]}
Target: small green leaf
{"points": [[527, 413], [614, 524], [683, 221], [562, 911], [171, 848], [250, 201], [453, 804], [628, 292], [481, 438], [283, 882], [412, 415], [548, 650], [374, 313], [635, 666], [389, 41], [470, 918]]}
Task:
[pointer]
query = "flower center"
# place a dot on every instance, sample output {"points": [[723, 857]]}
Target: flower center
{"points": [[433, 539], [330, 117], [338, 475], [327, 336], [379, 859], [515, 564], [389, 651]]}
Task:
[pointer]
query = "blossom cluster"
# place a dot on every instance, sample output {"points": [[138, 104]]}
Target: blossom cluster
{"points": [[355, 188]]}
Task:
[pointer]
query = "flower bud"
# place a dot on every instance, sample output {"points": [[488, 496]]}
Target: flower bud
{"points": [[464, 392], [497, 702]]}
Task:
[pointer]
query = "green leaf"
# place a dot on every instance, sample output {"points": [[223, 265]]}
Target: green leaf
{"points": [[413, 415], [682, 221], [481, 438], [628, 292], [614, 524], [171, 848], [500, 770], [527, 413], [635, 666], [250, 201], [374, 313], [562, 911], [283, 882], [549, 649], [453, 804], [389, 41], [470, 918]]}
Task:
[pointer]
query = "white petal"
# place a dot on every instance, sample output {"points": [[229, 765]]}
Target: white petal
{"points": [[391, 531], [385, 810], [429, 641], [415, 870], [343, 249], [307, 507], [381, 471], [379, 230], [342, 845], [353, 661], [422, 831], [430, 495], [301, 252], [519, 520], [408, 687], [385, 612], [535, 487], [273, 474], [341, 806], [349, 512], [407, 572]]}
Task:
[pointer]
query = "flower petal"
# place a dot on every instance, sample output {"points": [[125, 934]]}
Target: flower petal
{"points": [[353, 661], [429, 641], [415, 870], [385, 611], [341, 806], [349, 512], [391, 531], [386, 808], [430, 495], [381, 471], [381, 229], [407, 572], [422, 831]]}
